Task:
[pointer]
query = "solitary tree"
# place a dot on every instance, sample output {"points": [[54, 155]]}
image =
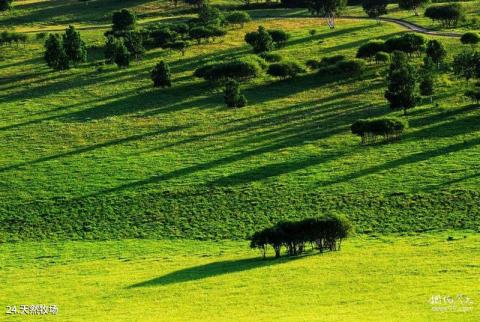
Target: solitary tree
{"points": [[161, 76], [233, 98], [55, 54], [436, 51], [123, 20], [260, 40], [5, 5], [375, 8], [74, 46], [401, 84], [326, 8], [412, 5]]}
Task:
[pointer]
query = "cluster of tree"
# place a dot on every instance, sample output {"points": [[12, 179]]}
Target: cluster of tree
{"points": [[5, 5], [389, 128], [325, 233], [233, 97], [264, 40], [61, 52], [12, 37], [448, 15], [285, 69], [239, 69]]}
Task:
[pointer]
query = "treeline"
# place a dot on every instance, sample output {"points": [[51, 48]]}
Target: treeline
{"points": [[324, 233]]}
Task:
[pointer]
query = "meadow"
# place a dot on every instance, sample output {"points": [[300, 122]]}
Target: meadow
{"points": [[373, 278], [92, 146]]}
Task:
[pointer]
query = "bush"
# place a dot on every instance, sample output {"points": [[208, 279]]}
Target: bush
{"points": [[467, 64], [238, 18], [370, 129], [285, 70], [326, 233], [370, 49], [239, 69], [279, 37], [332, 60], [7, 38], [408, 43], [134, 42], [436, 51], [470, 38], [74, 46], [382, 57], [271, 57], [232, 97], [352, 67], [179, 46], [448, 15], [161, 76], [5, 5], [55, 53], [208, 15], [122, 55]]}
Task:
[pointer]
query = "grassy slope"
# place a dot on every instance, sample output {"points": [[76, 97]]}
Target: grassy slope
{"points": [[102, 154], [371, 279]]}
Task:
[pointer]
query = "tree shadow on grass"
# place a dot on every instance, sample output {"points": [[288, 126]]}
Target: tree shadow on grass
{"points": [[200, 272]]}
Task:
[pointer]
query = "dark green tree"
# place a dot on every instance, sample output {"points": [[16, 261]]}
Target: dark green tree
{"points": [[375, 8], [260, 40], [74, 46], [436, 51], [134, 42], [208, 15], [401, 81], [412, 5], [55, 54], [161, 75], [123, 20], [122, 55], [238, 18], [470, 38], [233, 98], [426, 81], [326, 8], [110, 49], [467, 65], [5, 5]]}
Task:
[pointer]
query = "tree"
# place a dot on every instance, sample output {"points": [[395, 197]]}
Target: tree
{"points": [[412, 5], [467, 65], [134, 42], [370, 49], [279, 37], [55, 55], [401, 81], [179, 46], [110, 49], [375, 8], [382, 57], [426, 80], [123, 20], [238, 18], [74, 46], [208, 15], [436, 51], [260, 40], [5, 5], [161, 75], [288, 69], [122, 55], [233, 98], [470, 38], [326, 8], [449, 15], [409, 43]]}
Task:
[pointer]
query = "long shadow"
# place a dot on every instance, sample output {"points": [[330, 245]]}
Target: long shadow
{"points": [[200, 272]]}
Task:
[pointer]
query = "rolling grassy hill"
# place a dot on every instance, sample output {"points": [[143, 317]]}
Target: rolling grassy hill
{"points": [[97, 152]]}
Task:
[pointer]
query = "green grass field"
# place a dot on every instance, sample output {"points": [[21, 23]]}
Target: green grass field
{"points": [[373, 278]]}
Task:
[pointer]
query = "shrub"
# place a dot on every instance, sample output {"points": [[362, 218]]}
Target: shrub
{"points": [[55, 55], [161, 76], [382, 57], [352, 67], [179, 46], [312, 32], [232, 97], [279, 37], [332, 60], [122, 55], [161, 37], [401, 81], [110, 49], [467, 65], [370, 129], [470, 38], [312, 64], [271, 57], [260, 40], [134, 42], [448, 15], [208, 15], [74, 46], [7, 38], [326, 232], [370, 49], [238, 18], [123, 20], [288, 69]]}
